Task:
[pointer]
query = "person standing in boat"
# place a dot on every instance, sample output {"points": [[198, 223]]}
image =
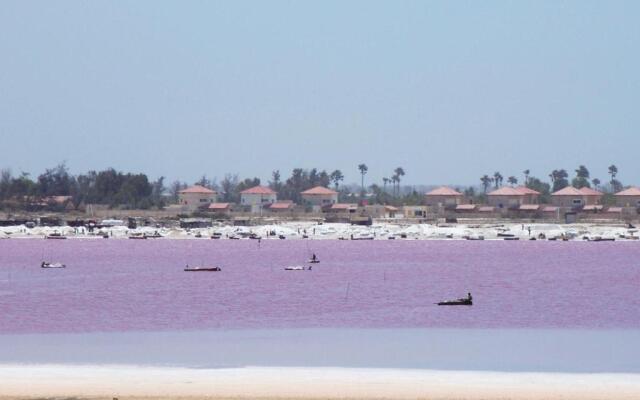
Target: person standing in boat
{"points": [[469, 296], [313, 257]]}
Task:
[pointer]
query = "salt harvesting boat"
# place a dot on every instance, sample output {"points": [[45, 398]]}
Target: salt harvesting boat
{"points": [[202, 269], [52, 265], [464, 301], [298, 268], [55, 235]]}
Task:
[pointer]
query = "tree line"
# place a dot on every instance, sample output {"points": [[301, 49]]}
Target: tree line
{"points": [[559, 179], [135, 190]]}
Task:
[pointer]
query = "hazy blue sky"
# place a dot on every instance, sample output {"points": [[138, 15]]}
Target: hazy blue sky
{"points": [[447, 90]]}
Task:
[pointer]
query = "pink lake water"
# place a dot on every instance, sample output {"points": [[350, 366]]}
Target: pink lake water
{"points": [[127, 285]]}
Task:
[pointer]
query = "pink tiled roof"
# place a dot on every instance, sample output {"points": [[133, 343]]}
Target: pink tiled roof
{"points": [[550, 209], [197, 189], [526, 190], [219, 206], [592, 207], [614, 209], [486, 209], [444, 191], [568, 191], [343, 206], [506, 191], [590, 192], [318, 190], [466, 207], [282, 205], [632, 191], [258, 190], [529, 207], [391, 208]]}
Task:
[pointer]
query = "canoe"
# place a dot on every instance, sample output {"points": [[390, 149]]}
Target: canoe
{"points": [[202, 269], [297, 268], [459, 302], [312, 261], [52, 265]]}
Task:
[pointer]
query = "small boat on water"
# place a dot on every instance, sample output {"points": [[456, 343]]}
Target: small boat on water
{"points": [[216, 235], [298, 268], [202, 269], [505, 235], [510, 238], [137, 236], [52, 265], [55, 235], [281, 237], [464, 301]]}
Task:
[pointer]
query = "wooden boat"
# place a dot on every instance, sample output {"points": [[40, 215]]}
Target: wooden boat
{"points": [[510, 238], [458, 302], [216, 235], [281, 237], [52, 265], [313, 261], [202, 269], [505, 235], [55, 235], [255, 236], [298, 268], [137, 236]]}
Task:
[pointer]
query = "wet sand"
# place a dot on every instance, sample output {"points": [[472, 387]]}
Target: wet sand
{"points": [[32, 381]]}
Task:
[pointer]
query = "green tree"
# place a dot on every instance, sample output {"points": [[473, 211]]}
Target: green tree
{"points": [[559, 179], [512, 180], [582, 178], [363, 171], [526, 173], [497, 179], [398, 173], [486, 182], [336, 177]]}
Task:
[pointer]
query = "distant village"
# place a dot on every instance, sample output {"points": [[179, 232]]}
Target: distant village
{"points": [[112, 194]]}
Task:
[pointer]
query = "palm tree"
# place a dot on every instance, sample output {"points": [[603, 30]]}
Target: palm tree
{"points": [[497, 179], [336, 176], [395, 180], [596, 182], [512, 180], [613, 171], [486, 182], [363, 171], [398, 172], [526, 173], [385, 181]]}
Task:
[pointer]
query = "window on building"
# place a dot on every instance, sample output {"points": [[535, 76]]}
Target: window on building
{"points": [[577, 202]]}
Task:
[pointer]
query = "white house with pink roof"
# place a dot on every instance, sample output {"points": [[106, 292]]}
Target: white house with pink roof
{"points": [[258, 198], [196, 197], [572, 197], [443, 196], [628, 198], [319, 197], [512, 197]]}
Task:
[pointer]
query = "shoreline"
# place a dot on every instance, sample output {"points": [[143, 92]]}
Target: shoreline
{"points": [[114, 381], [343, 231]]}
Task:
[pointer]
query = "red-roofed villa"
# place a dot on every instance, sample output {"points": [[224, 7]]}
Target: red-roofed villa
{"points": [[443, 196], [512, 197], [319, 196], [195, 197], [628, 198], [572, 197], [257, 198]]}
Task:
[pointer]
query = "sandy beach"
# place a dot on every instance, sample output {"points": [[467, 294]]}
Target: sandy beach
{"points": [[127, 381]]}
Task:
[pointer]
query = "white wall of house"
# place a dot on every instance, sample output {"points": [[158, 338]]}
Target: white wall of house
{"points": [[257, 201], [193, 201], [320, 199]]}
